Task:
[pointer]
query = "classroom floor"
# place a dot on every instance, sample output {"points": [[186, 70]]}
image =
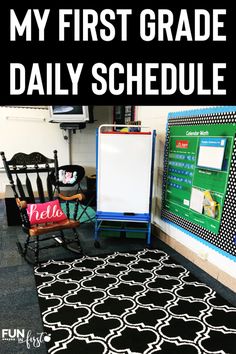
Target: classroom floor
{"points": [[18, 297]]}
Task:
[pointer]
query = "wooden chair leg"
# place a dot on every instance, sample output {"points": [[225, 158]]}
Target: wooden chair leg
{"points": [[36, 250], [26, 246], [71, 245], [76, 236], [63, 236]]}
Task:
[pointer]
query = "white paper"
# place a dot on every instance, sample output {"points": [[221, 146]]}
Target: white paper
{"points": [[186, 202], [197, 199], [211, 157]]}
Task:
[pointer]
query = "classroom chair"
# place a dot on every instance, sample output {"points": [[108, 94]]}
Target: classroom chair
{"points": [[34, 180]]}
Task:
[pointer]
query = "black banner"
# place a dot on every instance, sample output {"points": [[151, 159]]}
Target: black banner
{"points": [[85, 53]]}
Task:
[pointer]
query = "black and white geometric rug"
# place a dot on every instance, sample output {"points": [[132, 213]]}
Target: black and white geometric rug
{"points": [[131, 303]]}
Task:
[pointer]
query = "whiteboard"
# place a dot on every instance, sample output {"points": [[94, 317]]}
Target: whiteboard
{"points": [[124, 172]]}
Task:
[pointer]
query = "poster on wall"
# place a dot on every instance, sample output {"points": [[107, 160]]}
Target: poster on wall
{"points": [[197, 172]]}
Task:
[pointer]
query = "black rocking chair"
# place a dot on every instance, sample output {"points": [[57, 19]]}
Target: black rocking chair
{"points": [[41, 169]]}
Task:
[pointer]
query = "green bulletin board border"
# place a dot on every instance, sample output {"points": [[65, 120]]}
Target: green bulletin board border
{"points": [[225, 241]]}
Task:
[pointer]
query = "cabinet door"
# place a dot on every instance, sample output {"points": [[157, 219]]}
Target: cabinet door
{"points": [[123, 115]]}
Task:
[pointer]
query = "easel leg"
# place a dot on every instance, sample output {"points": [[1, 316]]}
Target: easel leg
{"points": [[96, 231], [96, 242], [149, 235]]}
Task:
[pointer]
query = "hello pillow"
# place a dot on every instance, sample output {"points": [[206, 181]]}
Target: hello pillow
{"points": [[45, 212]]}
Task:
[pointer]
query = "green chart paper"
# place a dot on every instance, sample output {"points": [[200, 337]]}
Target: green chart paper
{"points": [[208, 145]]}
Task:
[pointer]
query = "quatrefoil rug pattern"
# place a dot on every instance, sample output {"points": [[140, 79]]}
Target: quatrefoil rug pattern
{"points": [[132, 303]]}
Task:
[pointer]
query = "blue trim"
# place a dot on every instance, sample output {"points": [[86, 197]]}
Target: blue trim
{"points": [[166, 152], [206, 243], [102, 215], [97, 166], [151, 187], [104, 228], [152, 169], [196, 112]]}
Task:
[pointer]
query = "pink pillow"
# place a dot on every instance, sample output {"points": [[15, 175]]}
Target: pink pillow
{"points": [[45, 212]]}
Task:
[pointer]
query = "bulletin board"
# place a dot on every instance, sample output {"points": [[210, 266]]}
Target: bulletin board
{"points": [[199, 174]]}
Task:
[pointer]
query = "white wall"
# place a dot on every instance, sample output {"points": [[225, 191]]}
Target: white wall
{"points": [[156, 118], [27, 130], [84, 141]]}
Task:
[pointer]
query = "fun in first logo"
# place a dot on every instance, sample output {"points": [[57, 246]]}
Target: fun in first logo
{"points": [[22, 336]]}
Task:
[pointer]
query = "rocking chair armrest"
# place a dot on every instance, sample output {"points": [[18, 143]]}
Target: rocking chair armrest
{"points": [[22, 204], [79, 196]]}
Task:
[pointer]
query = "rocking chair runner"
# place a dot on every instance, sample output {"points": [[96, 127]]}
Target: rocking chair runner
{"points": [[36, 164]]}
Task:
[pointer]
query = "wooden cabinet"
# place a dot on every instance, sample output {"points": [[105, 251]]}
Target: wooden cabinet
{"points": [[123, 114]]}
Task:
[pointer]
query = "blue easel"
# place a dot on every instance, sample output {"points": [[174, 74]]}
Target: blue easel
{"points": [[136, 148]]}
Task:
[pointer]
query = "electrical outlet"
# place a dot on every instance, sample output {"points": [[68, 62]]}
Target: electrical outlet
{"points": [[203, 254]]}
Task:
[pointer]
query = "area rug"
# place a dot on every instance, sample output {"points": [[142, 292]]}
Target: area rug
{"points": [[131, 303]]}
